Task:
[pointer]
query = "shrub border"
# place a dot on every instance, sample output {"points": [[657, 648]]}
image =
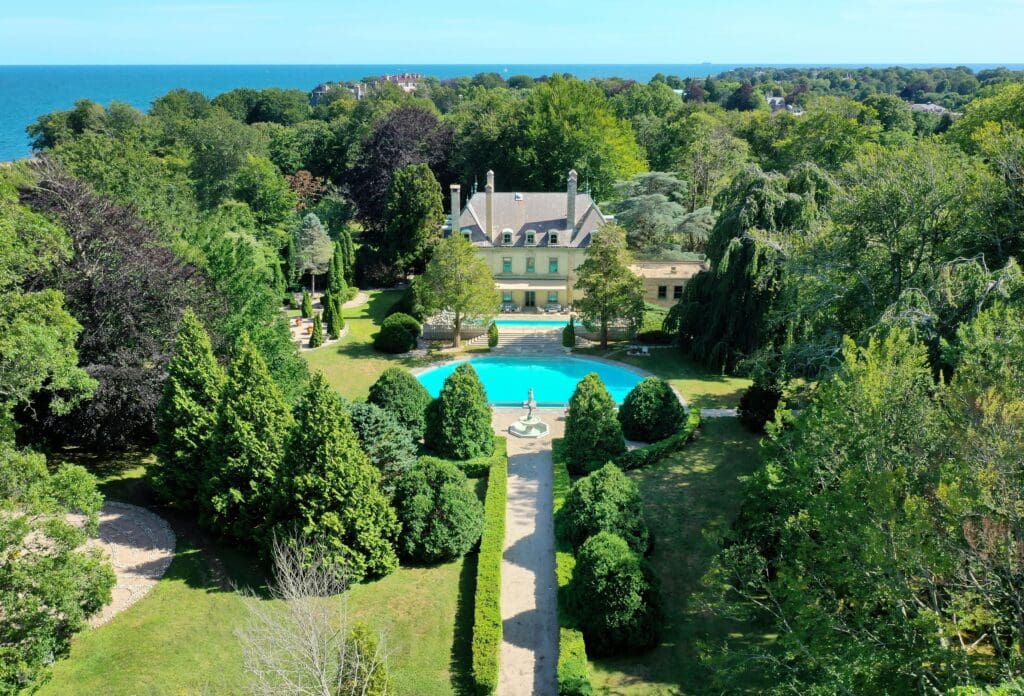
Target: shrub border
{"points": [[573, 668], [652, 454], [487, 625]]}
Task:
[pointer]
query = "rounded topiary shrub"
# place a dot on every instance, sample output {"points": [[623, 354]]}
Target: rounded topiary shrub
{"points": [[387, 443], [651, 411], [397, 334], [441, 517], [758, 404], [605, 501], [459, 420], [400, 394], [593, 435], [492, 335], [614, 597]]}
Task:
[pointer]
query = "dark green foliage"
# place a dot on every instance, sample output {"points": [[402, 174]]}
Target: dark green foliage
{"points": [[487, 624], [413, 214], [569, 335], [316, 338], [386, 442], [336, 282], [247, 448], [187, 414], [605, 501], [758, 404], [400, 394], [307, 305], [492, 335], [655, 337], [348, 254], [441, 517], [398, 334], [593, 435], [652, 454], [406, 305], [651, 411], [49, 584], [459, 420], [330, 493], [615, 597], [332, 320]]}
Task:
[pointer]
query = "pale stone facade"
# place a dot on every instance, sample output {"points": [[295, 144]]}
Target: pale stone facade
{"points": [[664, 280]]}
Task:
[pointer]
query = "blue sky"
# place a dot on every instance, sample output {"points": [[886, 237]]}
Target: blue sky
{"points": [[497, 31]]}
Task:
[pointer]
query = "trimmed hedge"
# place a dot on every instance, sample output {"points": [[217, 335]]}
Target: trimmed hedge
{"points": [[397, 334], [653, 454], [475, 468], [573, 668], [651, 411], [487, 631], [492, 335]]}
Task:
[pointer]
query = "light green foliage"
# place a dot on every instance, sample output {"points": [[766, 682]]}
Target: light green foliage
{"points": [[830, 133], [492, 335], [1005, 106], [457, 279], [593, 435], [614, 597], [400, 394], [413, 213], [247, 449], [569, 125], [604, 501], [651, 411], [487, 623], [707, 155], [37, 334], [441, 517], [261, 186], [459, 420], [187, 414], [329, 492], [313, 248], [307, 305], [612, 291], [49, 584]]}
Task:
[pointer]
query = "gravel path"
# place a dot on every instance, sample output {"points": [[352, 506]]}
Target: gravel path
{"points": [[140, 546], [529, 650], [360, 299]]}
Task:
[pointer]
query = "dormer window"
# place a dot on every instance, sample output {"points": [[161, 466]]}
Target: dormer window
{"points": [[466, 235], [506, 237], [531, 238], [553, 238]]}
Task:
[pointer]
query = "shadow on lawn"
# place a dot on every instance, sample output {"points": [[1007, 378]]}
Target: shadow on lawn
{"points": [[461, 664]]}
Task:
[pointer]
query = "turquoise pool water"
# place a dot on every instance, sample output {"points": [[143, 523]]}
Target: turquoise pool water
{"points": [[553, 380], [530, 322]]}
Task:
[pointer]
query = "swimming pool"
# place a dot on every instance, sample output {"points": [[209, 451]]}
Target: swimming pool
{"points": [[507, 379], [543, 323]]}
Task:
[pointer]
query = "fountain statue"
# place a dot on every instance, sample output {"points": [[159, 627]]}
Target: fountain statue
{"points": [[529, 425]]}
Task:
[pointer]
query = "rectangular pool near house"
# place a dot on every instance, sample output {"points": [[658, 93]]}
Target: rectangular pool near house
{"points": [[539, 323]]}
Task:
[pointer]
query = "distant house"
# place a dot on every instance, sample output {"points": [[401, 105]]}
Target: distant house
{"points": [[407, 81], [775, 103], [532, 242], [664, 281], [930, 108]]}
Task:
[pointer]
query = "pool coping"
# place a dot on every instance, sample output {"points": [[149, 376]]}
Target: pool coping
{"points": [[639, 371]]}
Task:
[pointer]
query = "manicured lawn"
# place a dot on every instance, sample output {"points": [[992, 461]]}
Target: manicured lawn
{"points": [[180, 638], [686, 497], [699, 386]]}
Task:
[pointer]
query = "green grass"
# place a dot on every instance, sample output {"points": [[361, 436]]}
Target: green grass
{"points": [[179, 639], [688, 498], [696, 383]]}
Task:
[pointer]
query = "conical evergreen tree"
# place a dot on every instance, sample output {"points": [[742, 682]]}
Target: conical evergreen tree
{"points": [[248, 446], [291, 273], [331, 316], [331, 493], [459, 420], [307, 304], [348, 255], [187, 414], [336, 272], [593, 434], [316, 339]]}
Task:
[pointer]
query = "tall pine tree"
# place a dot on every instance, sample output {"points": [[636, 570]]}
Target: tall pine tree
{"points": [[330, 493], [187, 413], [348, 254], [248, 446]]}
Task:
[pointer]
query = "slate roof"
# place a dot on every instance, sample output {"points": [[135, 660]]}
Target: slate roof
{"points": [[540, 212]]}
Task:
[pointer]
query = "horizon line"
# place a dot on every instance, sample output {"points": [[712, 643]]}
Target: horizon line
{"points": [[888, 63]]}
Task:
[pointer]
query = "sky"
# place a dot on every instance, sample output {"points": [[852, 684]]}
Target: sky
{"points": [[68, 32]]}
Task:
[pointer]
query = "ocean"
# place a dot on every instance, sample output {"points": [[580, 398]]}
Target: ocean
{"points": [[26, 92]]}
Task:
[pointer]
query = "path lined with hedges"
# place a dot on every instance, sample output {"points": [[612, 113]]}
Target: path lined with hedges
{"points": [[529, 603]]}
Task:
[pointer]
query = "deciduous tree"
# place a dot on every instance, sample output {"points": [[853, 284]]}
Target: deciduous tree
{"points": [[612, 292]]}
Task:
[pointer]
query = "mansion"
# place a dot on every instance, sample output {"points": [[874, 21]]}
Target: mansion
{"points": [[534, 242]]}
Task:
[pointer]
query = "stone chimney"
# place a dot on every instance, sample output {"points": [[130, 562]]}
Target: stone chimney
{"points": [[490, 204], [456, 208], [570, 208]]}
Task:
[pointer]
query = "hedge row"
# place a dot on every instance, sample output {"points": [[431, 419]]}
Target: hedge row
{"points": [[652, 454], [487, 610], [475, 468], [573, 669]]}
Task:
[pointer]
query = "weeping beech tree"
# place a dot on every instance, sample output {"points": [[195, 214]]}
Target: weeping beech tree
{"points": [[725, 312]]}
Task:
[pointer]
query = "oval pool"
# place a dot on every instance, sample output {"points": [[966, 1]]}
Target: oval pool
{"points": [[508, 379]]}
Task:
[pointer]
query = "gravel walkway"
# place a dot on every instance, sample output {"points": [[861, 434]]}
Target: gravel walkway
{"points": [[359, 300], [140, 545], [529, 651]]}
